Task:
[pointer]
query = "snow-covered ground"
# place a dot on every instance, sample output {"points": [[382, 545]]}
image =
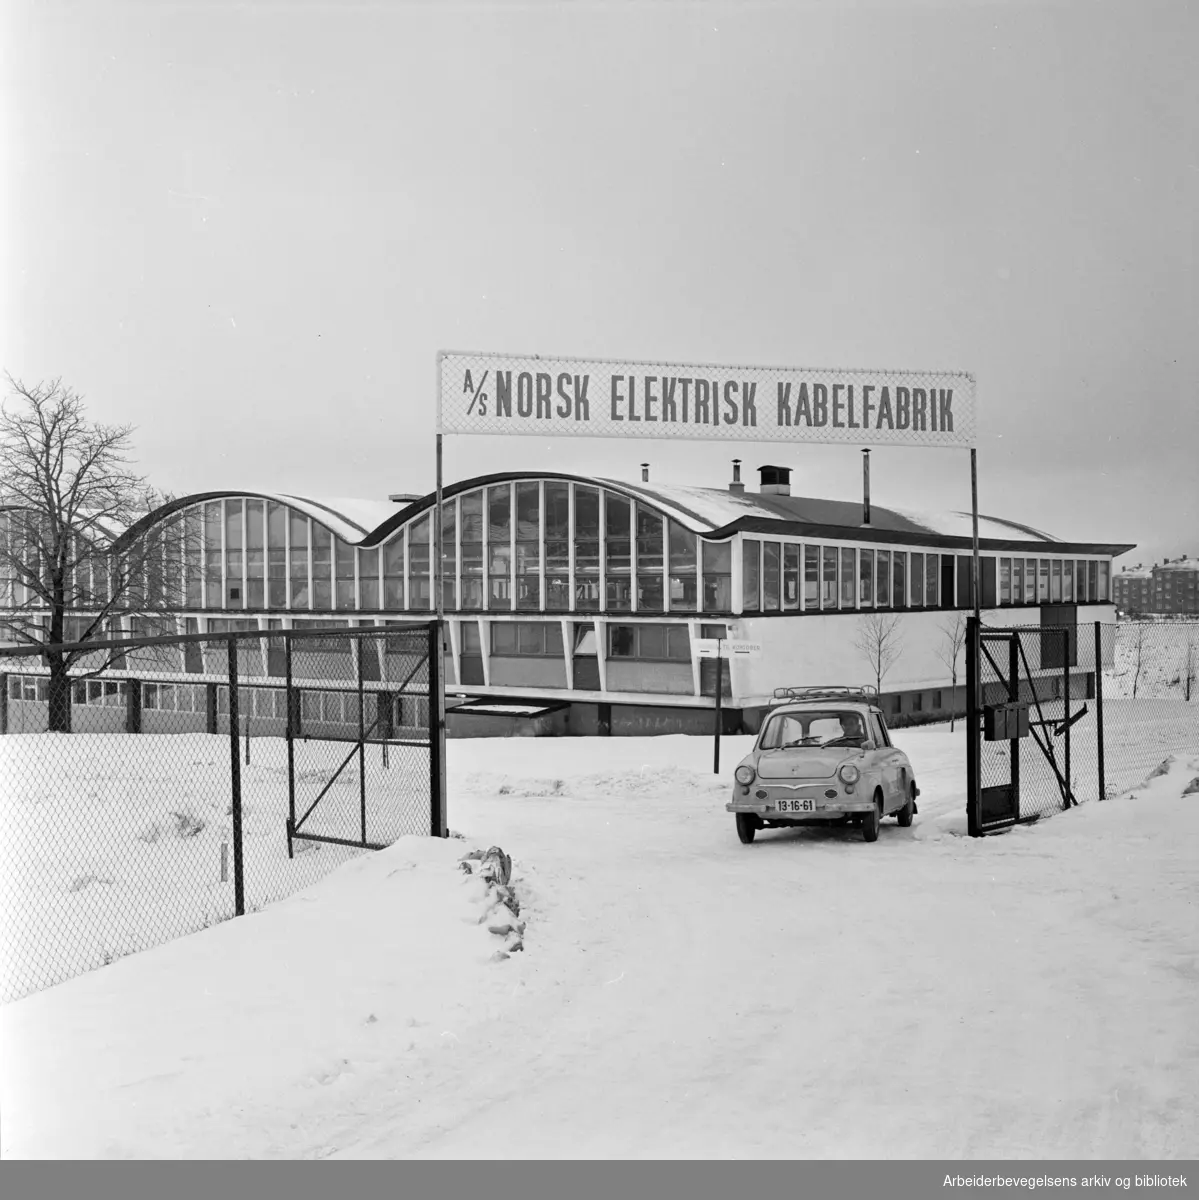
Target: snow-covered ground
{"points": [[679, 994]]}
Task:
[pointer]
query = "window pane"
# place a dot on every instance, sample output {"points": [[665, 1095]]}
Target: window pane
{"points": [[618, 516], [650, 549], [678, 645], [528, 512], [848, 568], [420, 592], [503, 638], [557, 510], [1043, 579], [932, 580], [652, 640], [790, 575], [1030, 580], [866, 577], [471, 506], [811, 576], [899, 562], [751, 574], [393, 572], [1005, 580], [1104, 593], [1055, 581], [882, 578], [621, 641], [916, 583], [1068, 580], [772, 576], [683, 549], [828, 577], [717, 571]]}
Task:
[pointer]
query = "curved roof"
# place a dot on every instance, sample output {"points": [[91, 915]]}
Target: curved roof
{"points": [[712, 512]]}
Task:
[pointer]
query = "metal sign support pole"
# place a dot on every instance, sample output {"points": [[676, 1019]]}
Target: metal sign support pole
{"points": [[975, 573], [437, 670], [719, 694]]}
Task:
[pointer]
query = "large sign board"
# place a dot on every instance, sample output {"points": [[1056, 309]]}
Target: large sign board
{"points": [[572, 397]]}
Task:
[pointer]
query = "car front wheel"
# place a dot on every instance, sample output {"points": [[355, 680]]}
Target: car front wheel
{"points": [[873, 819], [747, 826], [904, 815]]}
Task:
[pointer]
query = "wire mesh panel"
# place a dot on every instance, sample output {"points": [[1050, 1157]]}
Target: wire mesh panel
{"points": [[202, 777], [1150, 696], [111, 843]]}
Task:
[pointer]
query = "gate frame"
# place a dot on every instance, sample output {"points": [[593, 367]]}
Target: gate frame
{"points": [[434, 743]]}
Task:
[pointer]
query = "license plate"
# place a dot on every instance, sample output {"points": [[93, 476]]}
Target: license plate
{"points": [[797, 806]]}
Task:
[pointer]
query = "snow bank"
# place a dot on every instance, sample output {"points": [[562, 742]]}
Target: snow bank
{"points": [[387, 954]]}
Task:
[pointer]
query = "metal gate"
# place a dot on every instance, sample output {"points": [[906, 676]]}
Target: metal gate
{"points": [[1022, 686], [365, 736]]}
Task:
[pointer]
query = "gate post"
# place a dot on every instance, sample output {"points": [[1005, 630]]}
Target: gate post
{"points": [[1013, 686], [1066, 706], [3, 703], [357, 645], [973, 795], [239, 896], [1099, 706], [293, 716], [437, 813]]}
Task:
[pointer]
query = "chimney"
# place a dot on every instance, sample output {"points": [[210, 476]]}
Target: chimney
{"points": [[645, 472], [737, 486], [776, 481], [865, 487]]}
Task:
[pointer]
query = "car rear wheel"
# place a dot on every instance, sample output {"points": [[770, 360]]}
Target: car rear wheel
{"points": [[873, 819], [747, 826], [904, 815]]}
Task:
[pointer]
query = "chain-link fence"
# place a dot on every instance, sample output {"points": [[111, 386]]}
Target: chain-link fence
{"points": [[1066, 714], [1150, 697], [202, 778]]}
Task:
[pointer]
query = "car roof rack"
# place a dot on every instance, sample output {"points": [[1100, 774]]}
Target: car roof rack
{"points": [[861, 695]]}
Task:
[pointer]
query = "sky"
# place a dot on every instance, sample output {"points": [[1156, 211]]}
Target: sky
{"points": [[247, 230]]}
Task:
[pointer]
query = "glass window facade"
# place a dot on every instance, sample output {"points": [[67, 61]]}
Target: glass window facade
{"points": [[557, 546]]}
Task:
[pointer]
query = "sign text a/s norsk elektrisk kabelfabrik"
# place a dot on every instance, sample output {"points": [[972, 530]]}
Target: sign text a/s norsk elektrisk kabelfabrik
{"points": [[568, 397]]}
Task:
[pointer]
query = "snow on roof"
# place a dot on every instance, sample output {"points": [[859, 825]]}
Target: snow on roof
{"points": [[961, 524], [703, 509], [348, 519]]}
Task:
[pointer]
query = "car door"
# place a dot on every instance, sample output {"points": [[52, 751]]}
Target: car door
{"points": [[890, 762]]}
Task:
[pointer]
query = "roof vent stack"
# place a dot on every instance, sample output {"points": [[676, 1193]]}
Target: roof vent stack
{"points": [[645, 472], [776, 481], [737, 486]]}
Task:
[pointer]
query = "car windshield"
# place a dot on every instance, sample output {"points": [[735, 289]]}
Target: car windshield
{"points": [[832, 727]]}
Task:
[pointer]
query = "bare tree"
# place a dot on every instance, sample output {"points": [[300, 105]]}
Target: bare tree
{"points": [[1189, 664], [949, 651], [880, 643], [68, 493], [1138, 651]]}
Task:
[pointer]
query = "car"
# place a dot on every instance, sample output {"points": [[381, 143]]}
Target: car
{"points": [[823, 757]]}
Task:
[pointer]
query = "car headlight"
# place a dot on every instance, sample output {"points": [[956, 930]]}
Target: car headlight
{"points": [[744, 774], [849, 773]]}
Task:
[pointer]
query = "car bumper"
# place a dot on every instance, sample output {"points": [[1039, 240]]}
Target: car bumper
{"points": [[824, 808]]}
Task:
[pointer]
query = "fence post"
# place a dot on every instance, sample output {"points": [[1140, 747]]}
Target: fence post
{"points": [[210, 707], [973, 795], [239, 896], [3, 703], [1099, 705], [1066, 706], [437, 813], [292, 707], [361, 736]]}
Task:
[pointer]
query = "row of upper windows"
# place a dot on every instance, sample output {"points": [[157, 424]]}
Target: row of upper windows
{"points": [[781, 576]]}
